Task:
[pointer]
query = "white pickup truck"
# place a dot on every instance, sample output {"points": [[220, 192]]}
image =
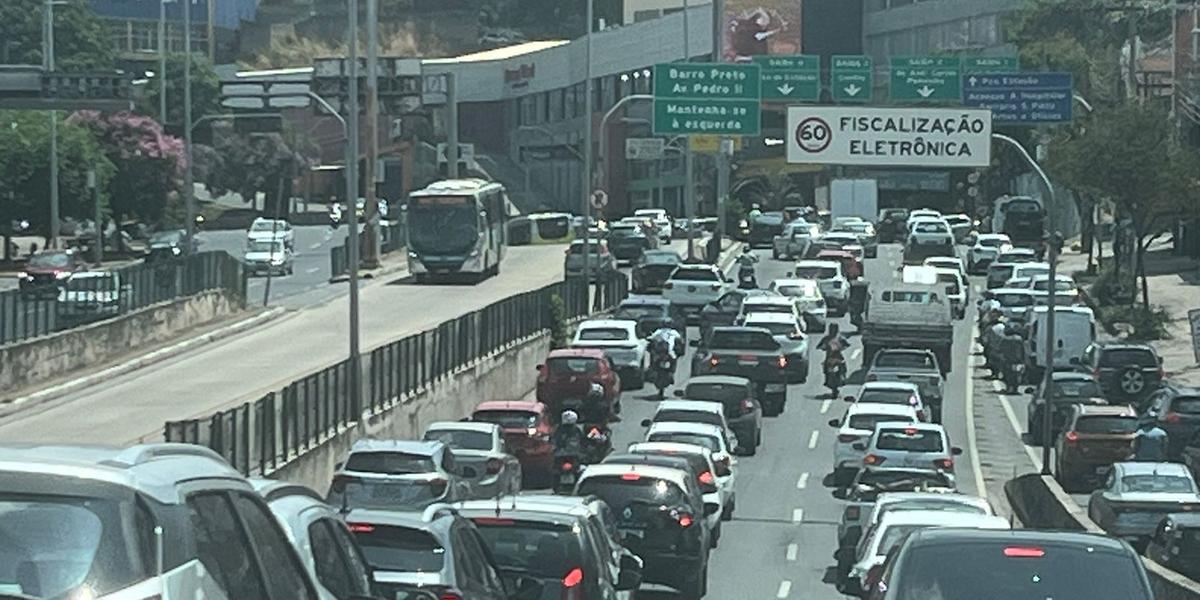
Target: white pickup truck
{"points": [[691, 287]]}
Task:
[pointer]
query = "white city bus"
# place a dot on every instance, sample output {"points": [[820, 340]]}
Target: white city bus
{"points": [[456, 226]]}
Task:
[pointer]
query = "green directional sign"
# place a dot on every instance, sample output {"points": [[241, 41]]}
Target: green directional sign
{"points": [[990, 64], [926, 79], [707, 98], [796, 78], [851, 78]]}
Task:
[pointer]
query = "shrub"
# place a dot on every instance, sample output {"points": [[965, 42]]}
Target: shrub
{"points": [[1109, 289], [559, 333], [1145, 324]]}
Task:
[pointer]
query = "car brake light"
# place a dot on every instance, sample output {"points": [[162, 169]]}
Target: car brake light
{"points": [[573, 578], [944, 463], [912, 400], [846, 438], [1096, 374], [873, 459], [360, 527], [783, 362], [1071, 437], [746, 357], [707, 478], [684, 519], [494, 465], [714, 361], [910, 431], [1171, 417], [450, 594], [493, 521], [1024, 552], [568, 465], [747, 406], [852, 512], [630, 476]]}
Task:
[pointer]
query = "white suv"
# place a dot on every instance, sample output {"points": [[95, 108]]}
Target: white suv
{"points": [[662, 221], [987, 247], [691, 287], [855, 427], [835, 288]]}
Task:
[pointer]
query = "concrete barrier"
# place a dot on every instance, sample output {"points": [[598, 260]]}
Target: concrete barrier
{"points": [[507, 375], [1040, 503], [43, 359]]}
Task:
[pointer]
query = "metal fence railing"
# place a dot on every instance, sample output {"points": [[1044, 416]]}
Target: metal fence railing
{"points": [[259, 436], [90, 296], [392, 237]]}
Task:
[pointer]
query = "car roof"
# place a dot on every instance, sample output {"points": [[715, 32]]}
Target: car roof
{"points": [[721, 379], [577, 353], [818, 263], [779, 300], [953, 535], [463, 426], [644, 301], [993, 236], [943, 518], [918, 426], [878, 408], [1153, 468], [420, 447], [1005, 290], [669, 447], [808, 284], [614, 470], [676, 426], [505, 509], [769, 317], [902, 497], [273, 489], [691, 405], [739, 328], [526, 405], [608, 324], [1071, 376], [696, 267], [1019, 250], [423, 520], [1185, 519], [1106, 410], [889, 385]]}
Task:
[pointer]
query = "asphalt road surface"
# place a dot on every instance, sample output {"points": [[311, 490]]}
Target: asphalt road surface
{"points": [[309, 281]]}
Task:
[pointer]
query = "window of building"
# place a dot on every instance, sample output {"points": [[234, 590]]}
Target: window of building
{"points": [[645, 15], [556, 105]]}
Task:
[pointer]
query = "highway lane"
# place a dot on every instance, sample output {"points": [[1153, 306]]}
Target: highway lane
{"points": [[781, 540], [309, 281]]}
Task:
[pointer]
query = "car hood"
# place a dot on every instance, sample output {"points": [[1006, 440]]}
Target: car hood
{"points": [[263, 256], [411, 578], [1156, 498]]}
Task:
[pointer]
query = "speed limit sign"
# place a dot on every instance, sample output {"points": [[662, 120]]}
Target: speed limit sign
{"points": [[599, 199], [813, 134]]}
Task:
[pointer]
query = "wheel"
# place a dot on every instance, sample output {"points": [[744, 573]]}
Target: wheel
{"points": [[758, 438], [727, 512], [775, 254], [696, 588], [716, 536]]}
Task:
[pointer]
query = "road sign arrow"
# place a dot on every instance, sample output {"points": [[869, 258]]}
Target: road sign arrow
{"points": [[926, 91], [786, 89], [852, 90], [972, 80]]}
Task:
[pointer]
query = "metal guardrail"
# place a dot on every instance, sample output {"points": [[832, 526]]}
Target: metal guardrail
{"points": [[392, 237], [79, 300], [260, 436]]}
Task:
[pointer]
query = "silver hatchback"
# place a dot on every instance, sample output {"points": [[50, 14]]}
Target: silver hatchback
{"points": [[909, 445]]}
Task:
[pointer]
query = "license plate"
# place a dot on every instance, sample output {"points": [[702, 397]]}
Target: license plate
{"points": [[566, 478], [1102, 470], [747, 363], [634, 533], [775, 387]]}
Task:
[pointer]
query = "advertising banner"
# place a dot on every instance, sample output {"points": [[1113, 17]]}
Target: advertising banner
{"points": [[761, 27]]}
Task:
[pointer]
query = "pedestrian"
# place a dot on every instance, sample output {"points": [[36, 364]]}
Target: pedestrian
{"points": [[1150, 443]]}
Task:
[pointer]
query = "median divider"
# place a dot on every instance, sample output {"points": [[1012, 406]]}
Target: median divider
{"points": [[1041, 503]]}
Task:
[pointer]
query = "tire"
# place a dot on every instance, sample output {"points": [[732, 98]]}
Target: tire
{"points": [[727, 513], [758, 438], [715, 540], [696, 588], [869, 352], [637, 381]]}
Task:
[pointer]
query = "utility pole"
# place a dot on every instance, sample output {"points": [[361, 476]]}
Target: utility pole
{"points": [[162, 61], [371, 228], [189, 186], [94, 187], [48, 60], [586, 184], [689, 197], [352, 206], [725, 149], [451, 127]]}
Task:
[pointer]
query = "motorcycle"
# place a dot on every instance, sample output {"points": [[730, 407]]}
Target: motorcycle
{"points": [[835, 372], [662, 369], [568, 464], [746, 277], [597, 443], [1012, 375]]}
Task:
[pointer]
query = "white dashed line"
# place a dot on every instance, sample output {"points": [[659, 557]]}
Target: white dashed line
{"points": [[812, 440], [825, 405], [792, 551], [972, 444], [312, 270], [797, 515], [315, 246], [856, 353], [785, 588], [1016, 425], [803, 482]]}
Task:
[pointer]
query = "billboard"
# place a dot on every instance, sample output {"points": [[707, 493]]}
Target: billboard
{"points": [[875, 136], [757, 27]]}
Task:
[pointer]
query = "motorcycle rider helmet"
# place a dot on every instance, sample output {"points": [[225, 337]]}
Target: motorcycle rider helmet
{"points": [[569, 417], [595, 392]]}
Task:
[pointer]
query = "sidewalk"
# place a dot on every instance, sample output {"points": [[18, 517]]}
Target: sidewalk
{"points": [[1174, 284]]}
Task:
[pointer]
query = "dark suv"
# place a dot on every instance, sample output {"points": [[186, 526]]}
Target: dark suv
{"points": [[1125, 372], [1177, 411], [738, 395]]}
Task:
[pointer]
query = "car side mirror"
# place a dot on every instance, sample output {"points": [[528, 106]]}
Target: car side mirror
{"points": [[861, 447], [711, 508], [338, 466], [834, 423], [956, 451], [844, 554], [849, 399], [1030, 390], [694, 343], [678, 393], [541, 368], [647, 422], [468, 471]]}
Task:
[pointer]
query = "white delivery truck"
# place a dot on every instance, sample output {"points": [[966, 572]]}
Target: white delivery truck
{"points": [[854, 198], [1074, 331]]}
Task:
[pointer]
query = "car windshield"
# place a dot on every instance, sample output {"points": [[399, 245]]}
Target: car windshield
{"points": [[688, 416], [695, 275], [1063, 285], [1105, 424], [265, 246], [565, 365], [1014, 300], [930, 228], [904, 360], [443, 225], [389, 463], [660, 258], [260, 226], [508, 419], [716, 392], [892, 536], [461, 439], [1128, 357], [771, 218], [867, 422], [1006, 571], [624, 231], [552, 228], [992, 242], [816, 272], [887, 397], [623, 491], [638, 312], [383, 493], [50, 260], [543, 550], [399, 549], [71, 547], [166, 237], [899, 479], [1084, 388], [794, 290], [743, 340], [680, 437], [603, 334], [935, 504], [1157, 482], [909, 440], [577, 248]]}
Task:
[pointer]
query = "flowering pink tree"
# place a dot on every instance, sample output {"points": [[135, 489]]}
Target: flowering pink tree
{"points": [[149, 162]]}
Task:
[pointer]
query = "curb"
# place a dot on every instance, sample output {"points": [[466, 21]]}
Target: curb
{"points": [[67, 387], [371, 273]]}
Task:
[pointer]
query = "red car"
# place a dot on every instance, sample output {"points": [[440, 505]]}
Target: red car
{"points": [[568, 374], [47, 271], [850, 265], [526, 429]]}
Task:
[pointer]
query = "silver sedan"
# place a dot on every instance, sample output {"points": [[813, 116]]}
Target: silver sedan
{"points": [[481, 455]]}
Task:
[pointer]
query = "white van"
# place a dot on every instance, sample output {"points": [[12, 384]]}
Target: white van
{"points": [[1074, 331], [946, 279]]}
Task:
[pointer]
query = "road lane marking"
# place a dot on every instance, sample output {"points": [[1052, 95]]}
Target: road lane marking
{"points": [[1016, 425], [312, 270], [856, 353], [797, 515], [792, 551], [812, 440], [315, 246], [972, 442], [785, 588], [803, 482], [825, 405], [998, 385]]}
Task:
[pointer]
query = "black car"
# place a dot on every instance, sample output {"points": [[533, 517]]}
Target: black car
{"points": [[1023, 563], [892, 226], [738, 395], [1176, 544], [1176, 409], [764, 228], [629, 242], [652, 314], [651, 271], [753, 353], [725, 310], [1069, 388], [168, 244], [660, 513], [1126, 372], [693, 464]]}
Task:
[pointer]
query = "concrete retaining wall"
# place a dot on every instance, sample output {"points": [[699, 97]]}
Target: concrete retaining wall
{"points": [[508, 375], [42, 359], [1039, 502]]}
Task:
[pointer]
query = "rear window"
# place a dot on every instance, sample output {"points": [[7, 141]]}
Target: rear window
{"points": [[1035, 572], [1014, 299], [992, 242], [767, 307], [893, 535], [553, 228], [389, 463], [868, 421], [636, 313], [888, 397], [578, 249], [384, 494], [694, 275], [603, 334], [904, 360], [793, 290], [660, 258], [680, 437], [573, 366], [399, 548], [1000, 272], [461, 439], [747, 340], [816, 272], [1128, 357], [688, 416], [620, 492], [930, 228], [775, 328], [1156, 483], [716, 392], [1098, 424], [508, 419], [908, 297], [910, 440], [896, 479], [543, 550], [1076, 389], [1189, 405]]}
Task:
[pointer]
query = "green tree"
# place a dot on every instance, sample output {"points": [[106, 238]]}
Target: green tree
{"points": [[81, 41], [251, 163], [206, 92], [25, 169]]}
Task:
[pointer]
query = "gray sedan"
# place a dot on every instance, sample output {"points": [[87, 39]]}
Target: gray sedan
{"points": [[479, 448], [1137, 495]]}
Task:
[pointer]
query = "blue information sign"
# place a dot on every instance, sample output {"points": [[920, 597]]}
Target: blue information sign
{"points": [[1023, 98]]}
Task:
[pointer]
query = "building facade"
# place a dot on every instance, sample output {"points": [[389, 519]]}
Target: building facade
{"points": [[916, 27]]}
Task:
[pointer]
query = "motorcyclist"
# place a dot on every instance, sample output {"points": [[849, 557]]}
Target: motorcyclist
{"points": [[671, 339], [1150, 442], [1012, 354], [834, 344], [755, 211], [568, 437], [335, 214], [992, 334], [746, 261]]}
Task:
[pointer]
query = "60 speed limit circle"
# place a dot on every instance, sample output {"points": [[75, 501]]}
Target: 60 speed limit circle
{"points": [[813, 134]]}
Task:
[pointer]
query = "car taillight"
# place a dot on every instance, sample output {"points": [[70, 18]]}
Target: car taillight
{"points": [[944, 463], [747, 406], [707, 478], [1171, 417], [872, 377], [852, 512], [1024, 552], [630, 476], [494, 465], [360, 527], [437, 486], [684, 519], [568, 465], [873, 459], [1096, 374], [572, 584], [450, 594], [1071, 437], [714, 287], [714, 361], [782, 361], [847, 438], [668, 285]]}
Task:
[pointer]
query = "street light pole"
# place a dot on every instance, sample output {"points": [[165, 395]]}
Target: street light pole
{"points": [[48, 60], [370, 167], [162, 61], [587, 153], [689, 197], [189, 186], [352, 204], [1051, 298], [725, 149]]}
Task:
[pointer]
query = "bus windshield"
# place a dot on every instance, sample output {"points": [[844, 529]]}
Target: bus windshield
{"points": [[443, 224]]}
